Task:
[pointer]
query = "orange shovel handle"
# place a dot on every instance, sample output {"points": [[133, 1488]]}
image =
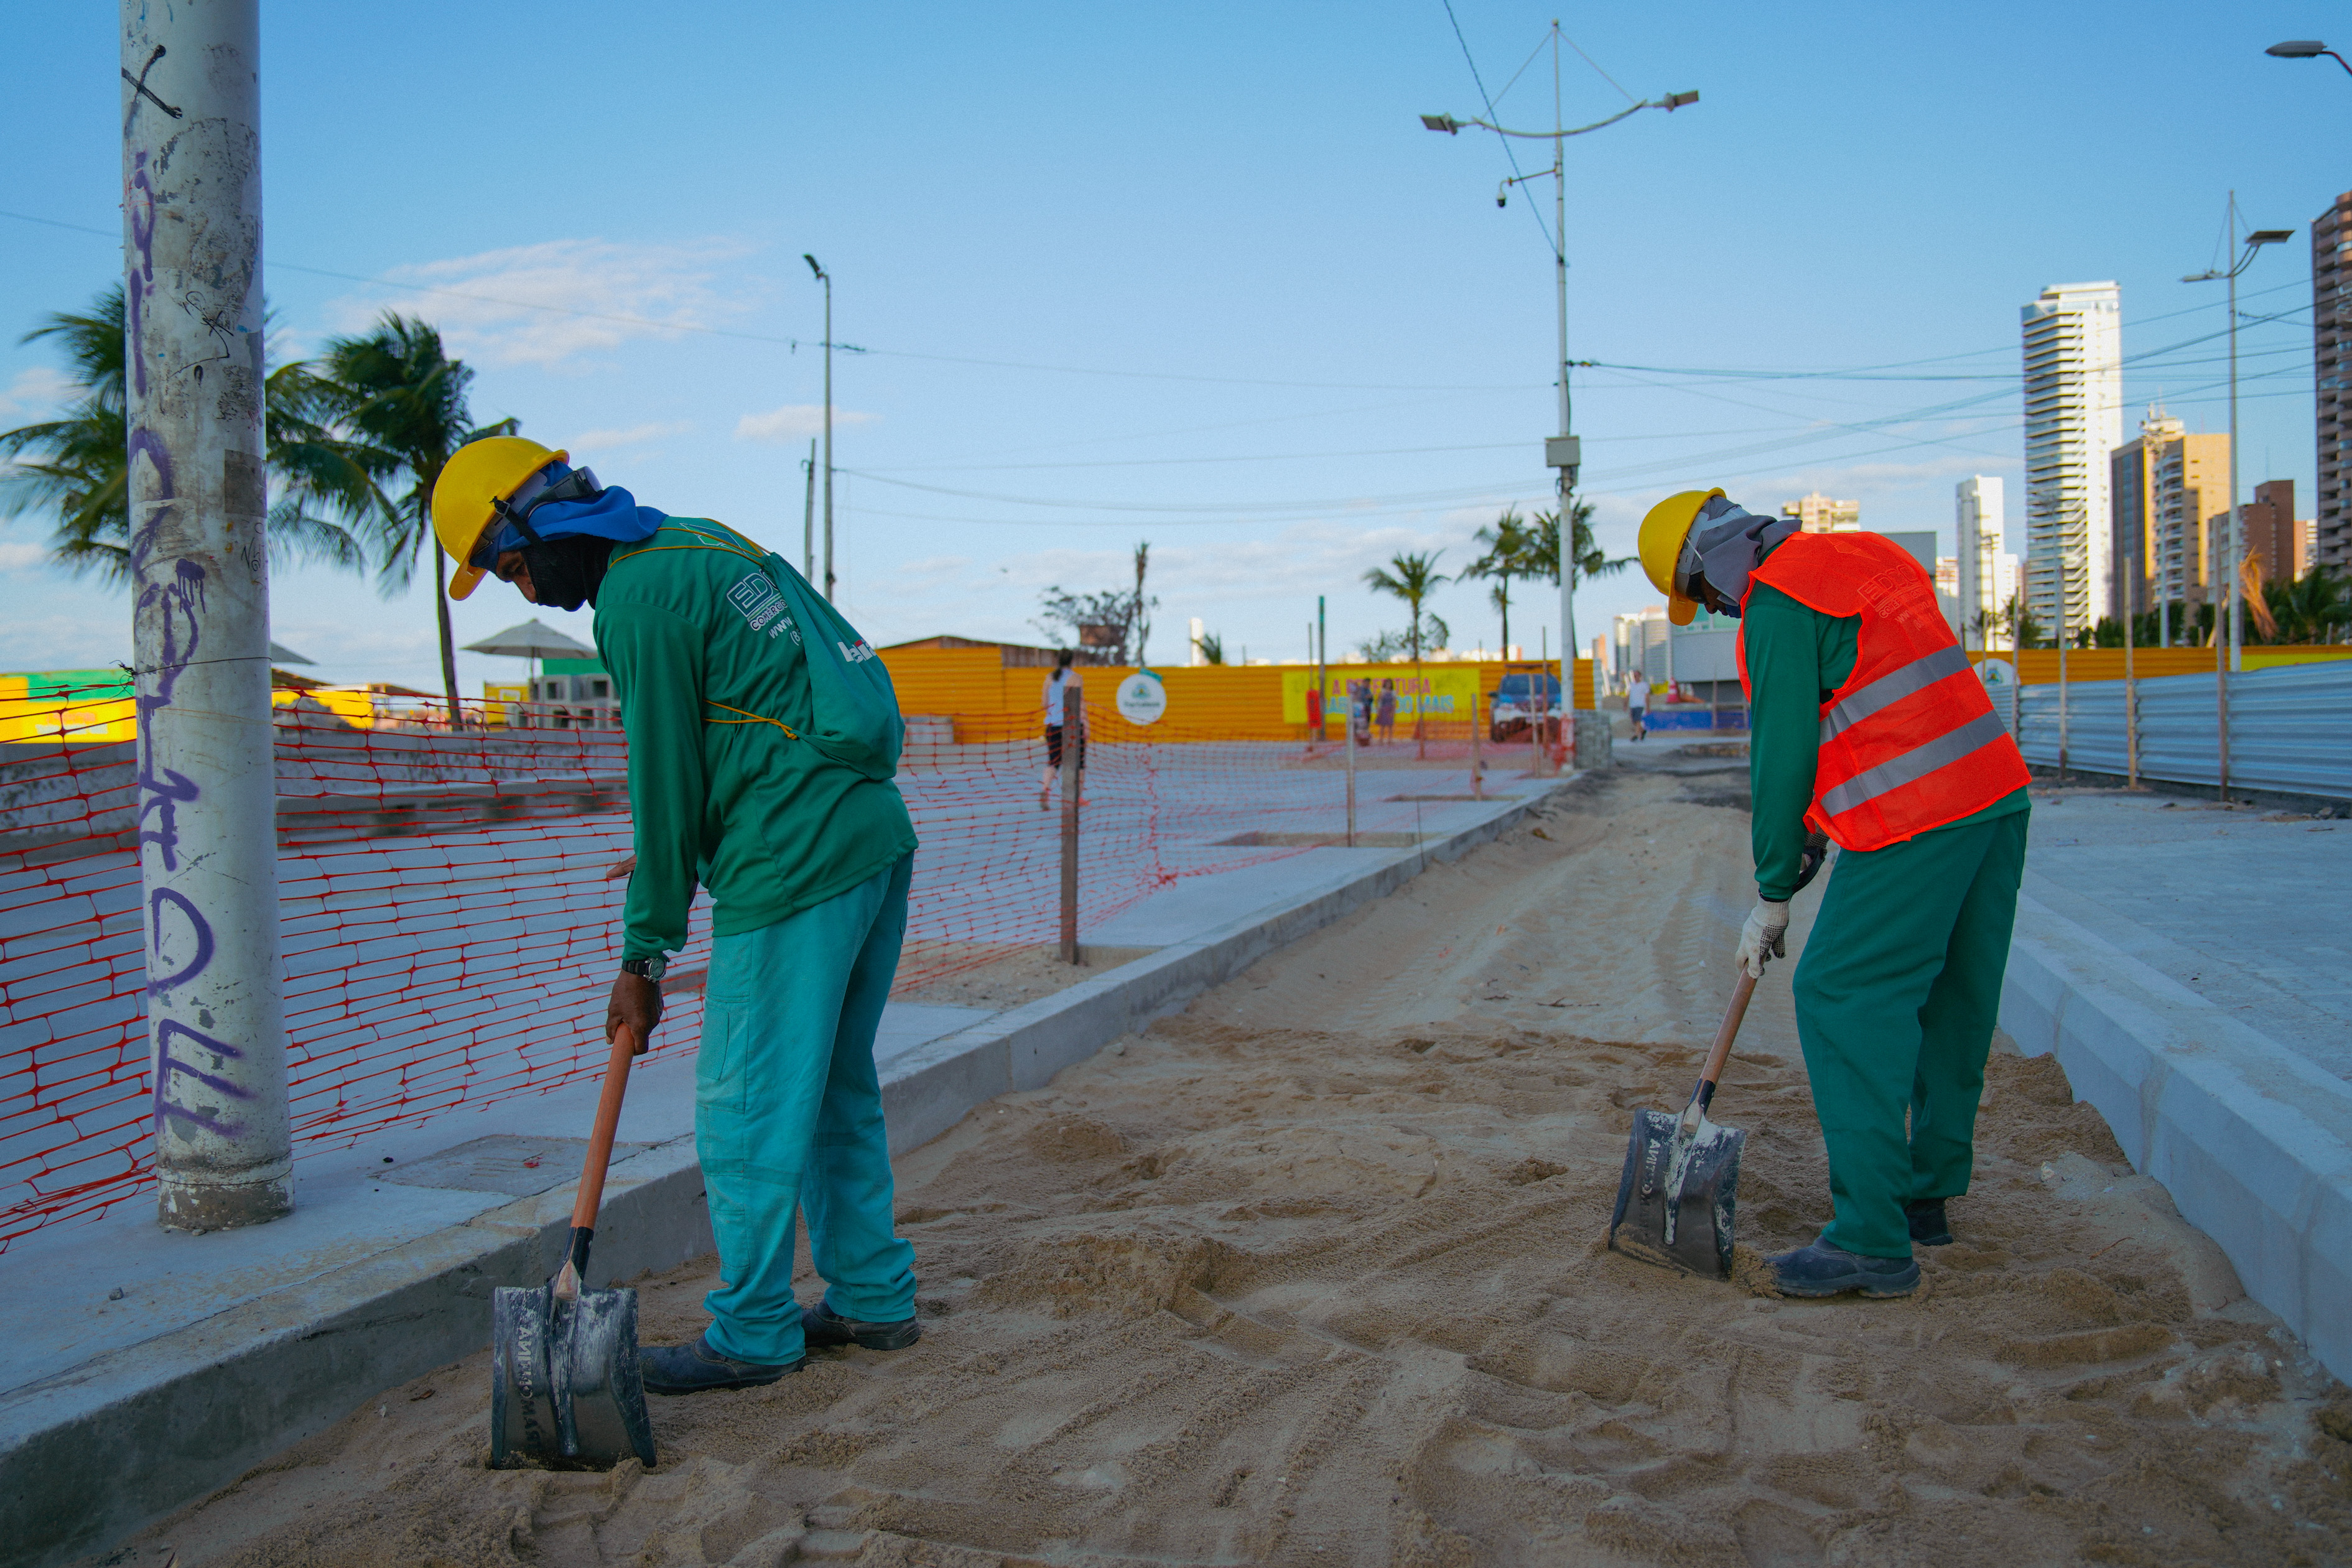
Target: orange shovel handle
{"points": [[608, 1122]]}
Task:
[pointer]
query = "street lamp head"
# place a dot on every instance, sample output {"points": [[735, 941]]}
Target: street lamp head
{"points": [[2268, 236], [2298, 49], [814, 267], [1675, 100], [1445, 122]]}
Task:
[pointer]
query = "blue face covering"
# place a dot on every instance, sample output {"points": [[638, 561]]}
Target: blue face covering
{"points": [[614, 516]]}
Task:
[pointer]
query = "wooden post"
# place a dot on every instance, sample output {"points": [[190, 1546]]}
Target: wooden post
{"points": [[1074, 751], [1349, 744], [1477, 749]]}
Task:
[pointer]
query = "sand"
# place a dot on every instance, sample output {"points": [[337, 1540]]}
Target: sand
{"points": [[1312, 1274]]}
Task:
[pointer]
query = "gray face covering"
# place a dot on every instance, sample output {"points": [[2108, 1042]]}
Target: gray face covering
{"points": [[1728, 541]]}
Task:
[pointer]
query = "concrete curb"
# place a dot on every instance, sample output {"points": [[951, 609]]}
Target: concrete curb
{"points": [[2253, 1141], [106, 1448]]}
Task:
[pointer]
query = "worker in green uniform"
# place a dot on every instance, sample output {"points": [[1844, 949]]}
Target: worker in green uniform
{"points": [[806, 861], [1866, 725]]}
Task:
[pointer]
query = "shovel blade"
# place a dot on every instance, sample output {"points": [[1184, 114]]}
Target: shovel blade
{"points": [[1679, 1212], [600, 1404], [566, 1391]]}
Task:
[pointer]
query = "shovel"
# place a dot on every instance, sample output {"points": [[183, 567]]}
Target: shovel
{"points": [[1676, 1200], [565, 1389]]}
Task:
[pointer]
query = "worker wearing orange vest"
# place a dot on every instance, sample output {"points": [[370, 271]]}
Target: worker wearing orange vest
{"points": [[1867, 726]]}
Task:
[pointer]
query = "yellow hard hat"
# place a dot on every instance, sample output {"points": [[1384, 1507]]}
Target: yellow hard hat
{"points": [[478, 475], [1663, 533]]}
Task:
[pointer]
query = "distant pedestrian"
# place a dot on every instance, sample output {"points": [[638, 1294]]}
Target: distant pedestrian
{"points": [[1637, 705], [1359, 710], [1064, 688], [1387, 712]]}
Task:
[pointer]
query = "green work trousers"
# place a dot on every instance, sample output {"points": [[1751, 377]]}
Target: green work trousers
{"points": [[1897, 995], [788, 1113]]}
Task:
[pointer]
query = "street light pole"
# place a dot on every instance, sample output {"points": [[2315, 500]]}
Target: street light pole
{"points": [[2226, 664], [826, 278], [1563, 452]]}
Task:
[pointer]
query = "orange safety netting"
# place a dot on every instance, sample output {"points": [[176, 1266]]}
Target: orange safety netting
{"points": [[450, 931]]}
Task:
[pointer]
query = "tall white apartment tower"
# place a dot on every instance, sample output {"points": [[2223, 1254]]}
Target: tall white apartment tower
{"points": [[2073, 419], [1977, 536]]}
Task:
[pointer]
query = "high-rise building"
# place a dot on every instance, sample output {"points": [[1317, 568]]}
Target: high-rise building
{"points": [[1977, 535], [2073, 419], [1817, 514], [2272, 533], [2331, 342], [2165, 486]]}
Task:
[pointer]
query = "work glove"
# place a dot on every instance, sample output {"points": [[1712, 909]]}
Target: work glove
{"points": [[1764, 937]]}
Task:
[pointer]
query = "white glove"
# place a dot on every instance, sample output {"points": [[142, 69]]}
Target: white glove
{"points": [[1764, 937]]}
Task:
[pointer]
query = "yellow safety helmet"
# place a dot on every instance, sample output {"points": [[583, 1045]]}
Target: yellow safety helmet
{"points": [[477, 476], [1663, 533]]}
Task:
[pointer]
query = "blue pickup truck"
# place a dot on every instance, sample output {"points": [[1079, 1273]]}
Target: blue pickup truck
{"points": [[1515, 700]]}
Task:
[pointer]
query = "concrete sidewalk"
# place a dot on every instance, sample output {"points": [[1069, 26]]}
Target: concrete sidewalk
{"points": [[169, 1364], [2191, 966]]}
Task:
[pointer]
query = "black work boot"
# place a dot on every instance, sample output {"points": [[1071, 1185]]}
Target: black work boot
{"points": [[697, 1368], [1929, 1226], [821, 1326], [1823, 1270]]}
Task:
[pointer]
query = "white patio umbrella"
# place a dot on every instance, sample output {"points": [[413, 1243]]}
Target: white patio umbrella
{"points": [[533, 642]]}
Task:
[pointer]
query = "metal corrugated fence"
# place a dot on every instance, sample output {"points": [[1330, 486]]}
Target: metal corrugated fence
{"points": [[2289, 728]]}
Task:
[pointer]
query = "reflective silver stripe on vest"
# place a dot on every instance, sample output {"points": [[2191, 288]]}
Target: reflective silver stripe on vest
{"points": [[1892, 688], [1916, 763]]}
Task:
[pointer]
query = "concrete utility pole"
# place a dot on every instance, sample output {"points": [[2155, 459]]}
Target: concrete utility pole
{"points": [[191, 93], [808, 518], [826, 278]]}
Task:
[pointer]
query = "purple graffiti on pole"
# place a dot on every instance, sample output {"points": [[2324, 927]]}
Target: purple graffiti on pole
{"points": [[169, 1067]]}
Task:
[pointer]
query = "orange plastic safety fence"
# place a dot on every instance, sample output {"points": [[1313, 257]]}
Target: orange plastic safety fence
{"points": [[449, 927]]}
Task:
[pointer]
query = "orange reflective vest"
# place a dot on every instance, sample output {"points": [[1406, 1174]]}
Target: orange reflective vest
{"points": [[1910, 741]]}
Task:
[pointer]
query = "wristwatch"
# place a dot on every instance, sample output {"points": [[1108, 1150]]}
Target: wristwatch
{"points": [[645, 968]]}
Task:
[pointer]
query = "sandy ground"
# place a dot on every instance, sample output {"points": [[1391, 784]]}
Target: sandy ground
{"points": [[1311, 1274]]}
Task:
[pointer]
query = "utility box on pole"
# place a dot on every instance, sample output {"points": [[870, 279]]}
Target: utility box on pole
{"points": [[191, 99]]}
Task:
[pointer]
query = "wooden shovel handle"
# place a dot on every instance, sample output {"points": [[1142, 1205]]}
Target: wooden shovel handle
{"points": [[1720, 1052], [608, 1122]]}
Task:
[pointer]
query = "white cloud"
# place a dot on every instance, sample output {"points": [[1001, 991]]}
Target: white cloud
{"points": [[795, 422], [36, 393], [589, 443], [21, 557], [541, 304]]}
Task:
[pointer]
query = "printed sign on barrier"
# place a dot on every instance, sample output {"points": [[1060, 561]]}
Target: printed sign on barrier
{"points": [[1439, 691], [1142, 698]]}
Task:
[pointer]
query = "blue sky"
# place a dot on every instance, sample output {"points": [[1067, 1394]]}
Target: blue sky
{"points": [[1195, 274]]}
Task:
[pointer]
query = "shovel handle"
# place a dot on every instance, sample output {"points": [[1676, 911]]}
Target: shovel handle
{"points": [[1720, 1052], [600, 1142]]}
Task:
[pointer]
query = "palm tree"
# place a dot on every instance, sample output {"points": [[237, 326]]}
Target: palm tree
{"points": [[1586, 557], [390, 407], [1510, 552], [1412, 577], [79, 467]]}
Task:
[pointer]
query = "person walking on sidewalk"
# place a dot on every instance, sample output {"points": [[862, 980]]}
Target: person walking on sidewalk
{"points": [[1387, 712], [1867, 726], [1064, 688], [764, 778], [1637, 706]]}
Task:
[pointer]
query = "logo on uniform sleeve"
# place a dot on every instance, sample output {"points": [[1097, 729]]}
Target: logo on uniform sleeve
{"points": [[861, 652]]}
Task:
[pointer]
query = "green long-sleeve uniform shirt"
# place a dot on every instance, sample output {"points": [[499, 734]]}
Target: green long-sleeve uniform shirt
{"points": [[720, 794], [1796, 657]]}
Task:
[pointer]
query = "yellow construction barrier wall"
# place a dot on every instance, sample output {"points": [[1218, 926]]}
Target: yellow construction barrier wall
{"points": [[1220, 702], [2038, 666]]}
